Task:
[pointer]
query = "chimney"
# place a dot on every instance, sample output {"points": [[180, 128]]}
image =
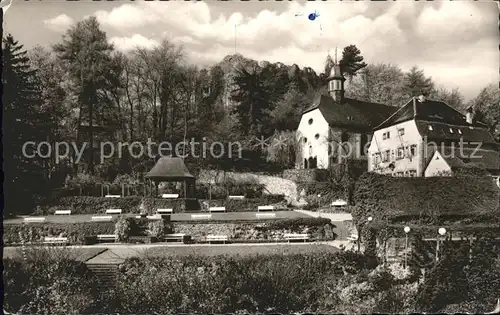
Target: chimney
{"points": [[469, 115]]}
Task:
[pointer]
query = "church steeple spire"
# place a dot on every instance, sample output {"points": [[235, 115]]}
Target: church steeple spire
{"points": [[336, 81]]}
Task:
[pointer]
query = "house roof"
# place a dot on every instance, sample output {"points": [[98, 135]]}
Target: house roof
{"points": [[169, 169], [350, 112], [441, 131], [458, 158], [428, 110]]}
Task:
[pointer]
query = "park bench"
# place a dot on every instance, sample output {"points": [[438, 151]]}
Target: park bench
{"points": [[217, 238], [62, 212], [34, 219], [102, 218], [112, 196], [114, 211], [217, 209], [170, 196], [236, 197], [55, 240], [201, 216], [164, 211], [296, 237], [265, 208], [175, 237], [141, 215], [106, 237], [353, 237], [265, 215], [154, 217]]}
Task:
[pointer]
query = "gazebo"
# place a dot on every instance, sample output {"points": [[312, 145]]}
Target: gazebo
{"points": [[171, 169]]}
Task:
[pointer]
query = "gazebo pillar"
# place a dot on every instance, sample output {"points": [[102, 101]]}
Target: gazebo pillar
{"points": [[156, 188]]}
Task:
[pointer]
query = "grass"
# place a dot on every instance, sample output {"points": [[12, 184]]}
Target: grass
{"points": [[80, 254]]}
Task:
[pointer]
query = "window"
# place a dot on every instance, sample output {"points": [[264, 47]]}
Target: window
{"points": [[316, 136], [430, 128], [401, 153], [388, 135], [451, 130], [310, 121], [305, 140], [344, 137], [386, 155], [413, 150], [400, 174], [401, 131], [460, 131], [412, 173], [384, 136]]}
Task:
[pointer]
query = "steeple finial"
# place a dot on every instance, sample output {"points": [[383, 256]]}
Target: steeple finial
{"points": [[335, 55]]}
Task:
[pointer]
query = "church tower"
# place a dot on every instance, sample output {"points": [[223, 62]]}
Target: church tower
{"points": [[336, 82]]}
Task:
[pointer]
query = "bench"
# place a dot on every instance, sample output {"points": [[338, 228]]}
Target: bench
{"points": [[106, 237], [114, 211], [164, 211], [141, 215], [34, 219], [175, 237], [201, 216], [217, 209], [170, 196], [236, 197], [296, 237], [265, 208], [217, 238], [353, 237], [112, 196], [265, 215], [154, 217], [102, 218], [62, 212], [55, 240]]}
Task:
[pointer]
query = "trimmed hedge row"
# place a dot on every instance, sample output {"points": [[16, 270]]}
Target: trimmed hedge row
{"points": [[250, 204], [91, 205], [75, 232], [433, 197]]}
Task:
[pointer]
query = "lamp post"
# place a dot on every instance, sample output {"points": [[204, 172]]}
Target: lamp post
{"points": [[442, 232], [407, 230]]}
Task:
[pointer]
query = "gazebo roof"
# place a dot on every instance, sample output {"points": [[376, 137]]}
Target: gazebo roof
{"points": [[169, 169]]}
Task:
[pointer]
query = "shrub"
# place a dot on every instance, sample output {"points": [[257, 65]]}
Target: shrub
{"points": [[76, 232], [123, 228], [91, 205], [296, 223], [159, 228]]}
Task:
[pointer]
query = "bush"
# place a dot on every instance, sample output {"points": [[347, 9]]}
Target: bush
{"points": [[91, 205], [35, 232], [296, 223], [159, 228], [123, 228]]}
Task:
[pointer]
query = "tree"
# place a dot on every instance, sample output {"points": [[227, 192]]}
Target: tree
{"points": [[254, 98], [416, 83], [86, 53], [379, 83], [351, 61], [23, 176], [288, 110], [487, 104], [453, 98]]}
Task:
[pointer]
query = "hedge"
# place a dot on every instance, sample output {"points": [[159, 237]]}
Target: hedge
{"points": [[91, 205], [222, 191], [395, 197], [247, 204], [76, 232]]}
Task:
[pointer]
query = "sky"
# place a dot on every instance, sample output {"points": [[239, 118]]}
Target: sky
{"points": [[456, 43]]}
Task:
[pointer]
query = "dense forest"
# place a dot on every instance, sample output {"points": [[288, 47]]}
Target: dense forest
{"points": [[83, 90]]}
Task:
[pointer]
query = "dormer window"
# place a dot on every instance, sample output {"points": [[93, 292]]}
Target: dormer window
{"points": [[310, 121], [459, 131], [430, 128], [451, 130]]}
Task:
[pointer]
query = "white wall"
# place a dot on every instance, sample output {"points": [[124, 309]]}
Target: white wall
{"points": [[437, 166], [314, 147], [411, 136]]}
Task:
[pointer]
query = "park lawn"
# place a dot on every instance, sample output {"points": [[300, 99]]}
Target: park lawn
{"points": [[79, 254]]}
